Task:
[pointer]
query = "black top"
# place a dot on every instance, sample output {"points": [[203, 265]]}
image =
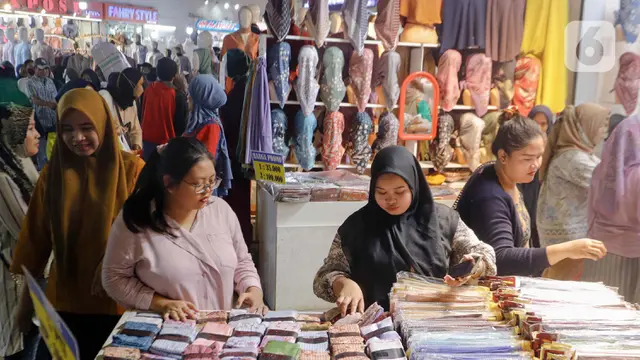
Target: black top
{"points": [[530, 193], [181, 114]]}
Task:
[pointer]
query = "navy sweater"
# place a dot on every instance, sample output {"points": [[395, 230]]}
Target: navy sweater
{"points": [[491, 213]]}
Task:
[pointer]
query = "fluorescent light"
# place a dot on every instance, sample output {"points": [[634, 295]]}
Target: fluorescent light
{"points": [[81, 18], [160, 27], [226, 5], [82, 5], [189, 30], [236, 6]]}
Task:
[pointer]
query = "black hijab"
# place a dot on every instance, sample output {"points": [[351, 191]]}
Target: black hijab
{"points": [[94, 78], [379, 245]]}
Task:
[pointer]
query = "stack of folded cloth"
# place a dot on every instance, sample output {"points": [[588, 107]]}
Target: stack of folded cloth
{"points": [[174, 338], [242, 316], [317, 341], [209, 341], [212, 316], [239, 354], [138, 332], [308, 319], [246, 335], [281, 316], [386, 349], [382, 330], [345, 334], [120, 353], [348, 352], [281, 331], [371, 315], [313, 355], [279, 350]]}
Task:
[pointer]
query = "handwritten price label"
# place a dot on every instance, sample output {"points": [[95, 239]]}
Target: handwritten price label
{"points": [[59, 339], [268, 167]]}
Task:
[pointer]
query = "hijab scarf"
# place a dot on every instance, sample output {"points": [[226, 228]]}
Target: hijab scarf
{"points": [[356, 21], [332, 89], [279, 125], [93, 187], [360, 70], [528, 70], [388, 23], [122, 87], [577, 128], [13, 133], [547, 113], [207, 97], [628, 81], [317, 20], [258, 128], [478, 81], [503, 78], [359, 149], [471, 127], [304, 126], [627, 18], [388, 68], [278, 17], [489, 134], [441, 150], [307, 86], [332, 150], [448, 68], [278, 59], [388, 128], [381, 245], [237, 64]]}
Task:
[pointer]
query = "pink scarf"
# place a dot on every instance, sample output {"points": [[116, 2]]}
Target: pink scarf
{"points": [[478, 81], [448, 68], [360, 70], [628, 80]]}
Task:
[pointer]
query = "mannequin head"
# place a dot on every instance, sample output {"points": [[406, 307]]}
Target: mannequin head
{"points": [[336, 23], [23, 34], [2, 37], [256, 16], [205, 40], [245, 17], [11, 34], [39, 35]]}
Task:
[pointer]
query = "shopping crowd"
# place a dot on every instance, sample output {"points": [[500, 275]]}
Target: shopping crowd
{"points": [[119, 197]]}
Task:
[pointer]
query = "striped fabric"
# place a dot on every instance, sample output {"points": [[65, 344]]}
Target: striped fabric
{"points": [[616, 271], [388, 23], [278, 16]]}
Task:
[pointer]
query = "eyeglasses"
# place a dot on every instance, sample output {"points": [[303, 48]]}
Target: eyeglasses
{"points": [[203, 188]]}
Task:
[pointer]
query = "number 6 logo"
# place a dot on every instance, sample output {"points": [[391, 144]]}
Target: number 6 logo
{"points": [[589, 46]]}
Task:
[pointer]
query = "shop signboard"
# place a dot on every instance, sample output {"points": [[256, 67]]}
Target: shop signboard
{"points": [[223, 26], [268, 166], [130, 13], [60, 341], [94, 10], [59, 7]]}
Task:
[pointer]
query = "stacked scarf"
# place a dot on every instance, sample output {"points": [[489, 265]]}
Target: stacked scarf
{"points": [[239, 354], [332, 149], [283, 329], [332, 89], [281, 316], [313, 355], [345, 334], [317, 341], [471, 128], [134, 342], [277, 338], [174, 338], [440, 149], [356, 21], [371, 315], [387, 75], [388, 128], [248, 328], [209, 341], [478, 81], [391, 349], [306, 84], [628, 81], [317, 20], [218, 316], [388, 23], [242, 317], [279, 131], [278, 59], [358, 147], [527, 75], [382, 330], [348, 351], [258, 135], [360, 72], [448, 68], [302, 141], [278, 17], [120, 353], [277, 350], [503, 79], [308, 319], [252, 342]]}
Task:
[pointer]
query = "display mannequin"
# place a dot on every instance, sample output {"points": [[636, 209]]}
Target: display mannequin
{"points": [[139, 51], [2, 42], [40, 49], [202, 62], [8, 49], [22, 51], [337, 25], [242, 39], [256, 17], [155, 55]]}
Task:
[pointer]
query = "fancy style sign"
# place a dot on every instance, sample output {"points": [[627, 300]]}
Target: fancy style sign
{"points": [[130, 13]]}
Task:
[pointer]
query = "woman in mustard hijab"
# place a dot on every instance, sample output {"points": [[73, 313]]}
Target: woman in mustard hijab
{"points": [[77, 197]]}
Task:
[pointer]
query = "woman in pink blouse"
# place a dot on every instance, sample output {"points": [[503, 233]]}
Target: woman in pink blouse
{"points": [[189, 256]]}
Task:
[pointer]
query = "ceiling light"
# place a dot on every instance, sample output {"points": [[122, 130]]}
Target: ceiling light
{"points": [[82, 5], [226, 5], [206, 2], [7, 7], [236, 7], [189, 30]]}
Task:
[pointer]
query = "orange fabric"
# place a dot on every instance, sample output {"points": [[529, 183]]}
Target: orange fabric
{"points": [[235, 41], [159, 113], [209, 135], [424, 12]]}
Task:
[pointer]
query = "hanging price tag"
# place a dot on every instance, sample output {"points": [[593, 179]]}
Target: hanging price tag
{"points": [[268, 167], [59, 339]]}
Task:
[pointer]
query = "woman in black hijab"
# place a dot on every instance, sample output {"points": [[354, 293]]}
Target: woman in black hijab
{"points": [[92, 77], [400, 229]]}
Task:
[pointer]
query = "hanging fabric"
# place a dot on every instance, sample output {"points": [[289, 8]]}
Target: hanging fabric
{"points": [[478, 81], [356, 21], [360, 71], [306, 85], [463, 24], [388, 68], [388, 128], [246, 112], [358, 148], [503, 80], [332, 149], [440, 150], [504, 29], [317, 21], [471, 128], [302, 139], [332, 89], [279, 125], [278, 17], [278, 59], [259, 124], [448, 68], [527, 75], [388, 23]]}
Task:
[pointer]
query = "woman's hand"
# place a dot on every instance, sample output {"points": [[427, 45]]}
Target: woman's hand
{"points": [[585, 249], [349, 294], [254, 299], [177, 310], [476, 272]]}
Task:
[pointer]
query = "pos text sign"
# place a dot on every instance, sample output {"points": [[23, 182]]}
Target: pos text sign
{"points": [[268, 167]]}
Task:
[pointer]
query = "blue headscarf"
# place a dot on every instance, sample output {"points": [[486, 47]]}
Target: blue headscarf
{"points": [[279, 132], [207, 95], [278, 58], [627, 18], [302, 140], [547, 112]]}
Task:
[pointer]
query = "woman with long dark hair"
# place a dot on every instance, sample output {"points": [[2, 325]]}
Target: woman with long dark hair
{"points": [[171, 218], [123, 89]]}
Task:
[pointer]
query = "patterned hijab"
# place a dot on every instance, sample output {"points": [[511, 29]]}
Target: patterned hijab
{"points": [[317, 20], [359, 149], [441, 150], [356, 21], [388, 23], [332, 89], [628, 18], [332, 150], [388, 128], [304, 126], [15, 124], [577, 128], [628, 81], [360, 70], [278, 59], [478, 81], [448, 68], [388, 68], [306, 84], [527, 74], [279, 125], [278, 17]]}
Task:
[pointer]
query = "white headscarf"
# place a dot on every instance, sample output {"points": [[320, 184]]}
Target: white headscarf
{"points": [[307, 86]]}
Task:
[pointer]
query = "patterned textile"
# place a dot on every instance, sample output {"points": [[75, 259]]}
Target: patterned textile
{"points": [[275, 338], [317, 341], [391, 349], [471, 128], [306, 319], [317, 20], [332, 89], [120, 353], [448, 68], [489, 134], [243, 342], [139, 329], [174, 338], [279, 124], [278, 17], [628, 81], [388, 23], [388, 68], [388, 128], [313, 355], [525, 221], [441, 151], [148, 320], [281, 316], [212, 316], [503, 79], [358, 147], [280, 349], [332, 149], [258, 135], [242, 318], [306, 85], [628, 18], [528, 70], [360, 72], [135, 342], [302, 141], [478, 81], [356, 22], [239, 354], [382, 330], [283, 329], [278, 59], [348, 352], [246, 328], [344, 334], [373, 312]]}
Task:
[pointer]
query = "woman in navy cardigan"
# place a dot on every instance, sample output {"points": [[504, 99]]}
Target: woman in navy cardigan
{"points": [[493, 207]]}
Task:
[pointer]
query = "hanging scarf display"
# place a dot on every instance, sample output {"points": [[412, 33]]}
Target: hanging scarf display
{"points": [[278, 17], [478, 81], [440, 149], [259, 123], [356, 21], [527, 74], [332, 89], [471, 128], [627, 18], [279, 124], [302, 139], [448, 68], [246, 111], [317, 20], [278, 59], [332, 150], [628, 81], [503, 78], [388, 127], [306, 85], [388, 23], [388, 68], [358, 148], [360, 70]]}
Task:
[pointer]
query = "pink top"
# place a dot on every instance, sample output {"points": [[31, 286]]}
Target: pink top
{"points": [[202, 266]]}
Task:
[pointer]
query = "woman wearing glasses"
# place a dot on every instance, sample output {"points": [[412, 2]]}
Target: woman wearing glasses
{"points": [[175, 248]]}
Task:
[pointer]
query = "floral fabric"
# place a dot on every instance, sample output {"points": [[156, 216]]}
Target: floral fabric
{"points": [[307, 86], [360, 72], [278, 59], [332, 89], [302, 139], [359, 149], [332, 149], [279, 131]]}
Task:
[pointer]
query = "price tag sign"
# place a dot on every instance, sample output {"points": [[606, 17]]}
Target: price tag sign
{"points": [[268, 167], [59, 339]]}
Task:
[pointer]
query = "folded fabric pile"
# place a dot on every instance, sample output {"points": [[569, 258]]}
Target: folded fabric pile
{"points": [[372, 315], [246, 335], [277, 350], [345, 334], [149, 356], [281, 331], [120, 353], [242, 316], [174, 337], [348, 352], [313, 355], [212, 316], [138, 332], [239, 354], [209, 341], [386, 349], [382, 330], [280, 316], [354, 318], [308, 319], [317, 341]]}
